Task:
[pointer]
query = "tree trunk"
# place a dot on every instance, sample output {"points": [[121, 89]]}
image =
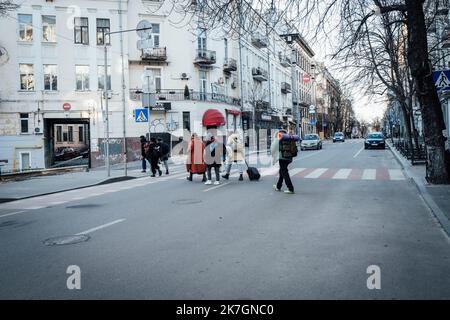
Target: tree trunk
{"points": [[433, 120], [407, 119]]}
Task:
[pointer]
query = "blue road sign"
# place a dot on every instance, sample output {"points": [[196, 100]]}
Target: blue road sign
{"points": [[141, 115], [442, 80], [312, 122]]}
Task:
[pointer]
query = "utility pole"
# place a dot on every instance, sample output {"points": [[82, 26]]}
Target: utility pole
{"points": [[105, 90]]}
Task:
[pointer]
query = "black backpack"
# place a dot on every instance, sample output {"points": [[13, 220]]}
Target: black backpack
{"points": [[288, 149]]}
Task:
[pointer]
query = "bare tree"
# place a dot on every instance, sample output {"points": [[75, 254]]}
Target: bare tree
{"points": [[6, 5]]}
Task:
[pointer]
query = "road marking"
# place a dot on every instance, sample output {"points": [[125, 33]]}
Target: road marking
{"points": [[309, 155], [55, 203], [100, 227], [215, 187], [369, 174], [294, 171], [396, 174], [357, 154], [12, 213], [316, 173], [342, 174]]}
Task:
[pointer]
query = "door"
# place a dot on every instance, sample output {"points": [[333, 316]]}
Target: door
{"points": [[25, 161]]}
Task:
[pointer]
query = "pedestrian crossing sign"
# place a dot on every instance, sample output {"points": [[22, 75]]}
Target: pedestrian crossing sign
{"points": [[141, 115], [442, 80]]}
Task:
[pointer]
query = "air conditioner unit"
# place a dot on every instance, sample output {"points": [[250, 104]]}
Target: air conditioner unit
{"points": [[184, 76]]}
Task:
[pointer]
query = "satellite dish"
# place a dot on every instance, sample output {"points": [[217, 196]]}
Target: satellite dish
{"points": [[144, 29], [4, 56]]}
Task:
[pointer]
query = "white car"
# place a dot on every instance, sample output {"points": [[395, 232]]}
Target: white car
{"points": [[311, 141]]}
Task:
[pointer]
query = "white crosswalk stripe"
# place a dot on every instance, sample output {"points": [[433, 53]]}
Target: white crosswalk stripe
{"points": [[342, 174], [316, 173], [295, 171], [369, 174]]}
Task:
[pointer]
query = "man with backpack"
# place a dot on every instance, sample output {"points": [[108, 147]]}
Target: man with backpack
{"points": [[153, 155], [165, 150], [284, 149]]}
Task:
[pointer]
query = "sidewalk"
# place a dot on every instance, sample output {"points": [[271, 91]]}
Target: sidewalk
{"points": [[437, 197], [41, 185]]}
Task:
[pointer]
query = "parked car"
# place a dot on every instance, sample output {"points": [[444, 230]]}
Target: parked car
{"points": [[338, 136], [66, 153], [311, 141], [375, 140]]}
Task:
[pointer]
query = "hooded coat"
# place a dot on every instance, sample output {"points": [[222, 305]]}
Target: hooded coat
{"points": [[235, 148], [195, 162]]}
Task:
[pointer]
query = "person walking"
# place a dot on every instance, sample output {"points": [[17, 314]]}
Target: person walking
{"points": [[284, 149], [195, 163], [144, 146], [154, 154], [235, 154], [165, 150], [215, 152]]}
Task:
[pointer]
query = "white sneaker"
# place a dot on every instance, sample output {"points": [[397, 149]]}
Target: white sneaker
{"points": [[216, 182], [208, 182]]}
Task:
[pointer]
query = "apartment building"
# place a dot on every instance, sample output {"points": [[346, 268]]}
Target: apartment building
{"points": [[55, 68]]}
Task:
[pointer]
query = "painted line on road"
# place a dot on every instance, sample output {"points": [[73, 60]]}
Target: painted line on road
{"points": [[357, 154], [396, 174], [12, 213], [342, 174], [100, 227], [215, 187], [369, 174], [316, 173]]}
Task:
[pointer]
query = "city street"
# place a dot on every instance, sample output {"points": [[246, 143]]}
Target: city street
{"points": [[168, 238]]}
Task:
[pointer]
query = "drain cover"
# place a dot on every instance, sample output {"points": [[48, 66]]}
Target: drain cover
{"points": [[187, 201], [65, 240]]}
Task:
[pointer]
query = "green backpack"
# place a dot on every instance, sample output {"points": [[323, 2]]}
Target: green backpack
{"points": [[288, 149]]}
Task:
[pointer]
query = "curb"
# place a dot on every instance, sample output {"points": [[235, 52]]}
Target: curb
{"points": [[424, 194], [103, 182]]}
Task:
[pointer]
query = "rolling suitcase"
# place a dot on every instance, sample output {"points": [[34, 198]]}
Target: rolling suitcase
{"points": [[253, 173]]}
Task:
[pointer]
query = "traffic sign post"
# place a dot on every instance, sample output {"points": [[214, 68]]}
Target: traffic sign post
{"points": [[141, 115]]}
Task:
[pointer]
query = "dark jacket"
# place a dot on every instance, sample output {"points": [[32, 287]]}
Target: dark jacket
{"points": [[154, 151], [165, 149], [143, 141]]}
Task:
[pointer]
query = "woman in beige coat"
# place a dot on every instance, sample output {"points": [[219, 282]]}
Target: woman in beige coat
{"points": [[235, 154]]}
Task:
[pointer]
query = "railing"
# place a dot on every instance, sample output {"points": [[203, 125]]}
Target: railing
{"points": [[157, 54], [259, 74], [417, 155], [179, 95], [286, 87], [205, 56], [284, 60], [259, 40], [230, 64]]}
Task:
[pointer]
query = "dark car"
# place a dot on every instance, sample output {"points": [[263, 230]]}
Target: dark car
{"points": [[375, 140], [64, 154], [338, 137]]}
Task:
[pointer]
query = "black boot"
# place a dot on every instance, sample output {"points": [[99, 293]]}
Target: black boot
{"points": [[241, 178], [190, 177], [167, 171], [204, 178], [226, 176], [159, 172]]}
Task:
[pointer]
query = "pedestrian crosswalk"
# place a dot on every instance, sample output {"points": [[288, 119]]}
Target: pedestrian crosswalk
{"points": [[269, 172]]}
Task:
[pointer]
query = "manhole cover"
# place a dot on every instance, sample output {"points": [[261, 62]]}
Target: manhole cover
{"points": [[65, 240], [84, 206], [187, 201]]}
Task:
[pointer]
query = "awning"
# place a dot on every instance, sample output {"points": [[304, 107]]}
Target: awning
{"points": [[231, 111], [213, 118]]}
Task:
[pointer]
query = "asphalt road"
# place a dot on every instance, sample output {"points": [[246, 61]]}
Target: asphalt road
{"points": [[167, 238]]}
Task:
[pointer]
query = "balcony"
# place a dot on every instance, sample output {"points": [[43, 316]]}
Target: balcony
{"points": [[259, 74], [285, 61], [154, 54], [179, 95], [229, 65], [286, 87], [261, 105], [260, 41], [205, 57]]}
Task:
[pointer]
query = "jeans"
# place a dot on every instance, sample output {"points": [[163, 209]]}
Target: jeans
{"points": [[165, 165], [144, 164], [216, 170], [284, 175], [239, 165]]}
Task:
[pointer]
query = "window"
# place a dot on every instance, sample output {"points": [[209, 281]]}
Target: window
{"points": [[70, 133], [101, 77], [155, 34], [80, 134], [225, 42], [201, 39], [156, 75], [102, 29], [59, 134], [50, 77], [81, 28], [203, 85], [187, 120], [26, 77], [49, 28], [65, 136], [24, 123], [82, 78], [25, 27]]}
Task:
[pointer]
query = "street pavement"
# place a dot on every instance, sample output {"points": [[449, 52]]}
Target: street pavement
{"points": [[168, 238]]}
